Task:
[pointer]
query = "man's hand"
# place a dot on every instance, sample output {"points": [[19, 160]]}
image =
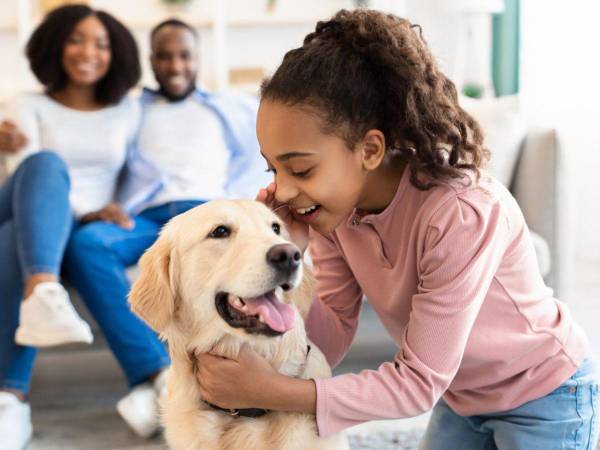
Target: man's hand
{"points": [[11, 138], [111, 213]]}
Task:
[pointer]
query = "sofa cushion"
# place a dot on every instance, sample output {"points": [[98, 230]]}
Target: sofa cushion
{"points": [[504, 130], [542, 252]]}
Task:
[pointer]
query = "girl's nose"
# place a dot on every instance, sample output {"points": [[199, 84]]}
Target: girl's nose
{"points": [[286, 191]]}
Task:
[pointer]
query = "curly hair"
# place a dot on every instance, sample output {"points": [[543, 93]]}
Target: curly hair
{"points": [[45, 48], [364, 69]]}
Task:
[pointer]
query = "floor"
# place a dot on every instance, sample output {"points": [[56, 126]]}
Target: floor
{"points": [[74, 391]]}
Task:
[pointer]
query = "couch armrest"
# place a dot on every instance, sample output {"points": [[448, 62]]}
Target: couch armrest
{"points": [[541, 189]]}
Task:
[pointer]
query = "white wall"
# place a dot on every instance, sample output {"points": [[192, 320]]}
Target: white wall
{"points": [[561, 86]]}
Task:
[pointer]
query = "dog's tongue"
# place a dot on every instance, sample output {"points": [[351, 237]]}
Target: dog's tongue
{"points": [[278, 315]]}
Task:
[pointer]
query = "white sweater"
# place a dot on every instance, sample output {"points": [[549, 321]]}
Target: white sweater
{"points": [[93, 144]]}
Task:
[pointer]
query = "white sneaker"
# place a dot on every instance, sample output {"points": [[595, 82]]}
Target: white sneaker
{"points": [[139, 409], [15, 422], [47, 318]]}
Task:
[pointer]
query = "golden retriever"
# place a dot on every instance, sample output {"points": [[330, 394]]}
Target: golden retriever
{"points": [[220, 275]]}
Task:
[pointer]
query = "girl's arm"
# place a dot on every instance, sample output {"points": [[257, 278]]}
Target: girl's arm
{"points": [[333, 318]]}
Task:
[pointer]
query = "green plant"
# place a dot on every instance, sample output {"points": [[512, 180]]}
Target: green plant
{"points": [[472, 90]]}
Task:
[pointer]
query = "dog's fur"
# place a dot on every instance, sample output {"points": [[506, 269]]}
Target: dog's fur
{"points": [[181, 275]]}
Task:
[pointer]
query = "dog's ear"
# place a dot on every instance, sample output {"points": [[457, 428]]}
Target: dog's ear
{"points": [[153, 295]]}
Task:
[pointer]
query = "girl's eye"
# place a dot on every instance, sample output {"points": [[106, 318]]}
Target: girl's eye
{"points": [[301, 174], [276, 228], [220, 232]]}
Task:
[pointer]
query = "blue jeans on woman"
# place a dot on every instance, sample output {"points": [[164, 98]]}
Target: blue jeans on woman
{"points": [[565, 419], [35, 223], [95, 264]]}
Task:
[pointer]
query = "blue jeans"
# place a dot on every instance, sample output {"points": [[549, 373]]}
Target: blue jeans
{"points": [[565, 419], [35, 222], [95, 261]]}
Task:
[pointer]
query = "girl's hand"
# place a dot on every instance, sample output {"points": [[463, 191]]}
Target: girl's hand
{"points": [[11, 138], [236, 383], [298, 230]]}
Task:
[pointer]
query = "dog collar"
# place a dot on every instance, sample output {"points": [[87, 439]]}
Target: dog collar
{"points": [[246, 412]]}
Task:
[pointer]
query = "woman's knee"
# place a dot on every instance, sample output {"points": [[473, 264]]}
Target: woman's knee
{"points": [[45, 161]]}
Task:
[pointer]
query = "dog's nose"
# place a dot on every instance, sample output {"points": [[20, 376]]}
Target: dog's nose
{"points": [[284, 257]]}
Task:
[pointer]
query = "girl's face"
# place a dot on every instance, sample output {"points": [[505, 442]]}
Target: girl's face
{"points": [[316, 174], [86, 56]]}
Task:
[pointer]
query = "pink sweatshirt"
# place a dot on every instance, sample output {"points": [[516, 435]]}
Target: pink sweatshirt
{"points": [[452, 274]]}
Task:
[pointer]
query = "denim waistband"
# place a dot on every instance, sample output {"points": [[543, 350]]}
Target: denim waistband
{"points": [[587, 371]]}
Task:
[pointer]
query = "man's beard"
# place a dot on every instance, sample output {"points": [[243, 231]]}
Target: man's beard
{"points": [[176, 98]]}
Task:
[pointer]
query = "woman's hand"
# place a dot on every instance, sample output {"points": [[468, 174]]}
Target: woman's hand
{"points": [[251, 382], [111, 213], [11, 138], [298, 230]]}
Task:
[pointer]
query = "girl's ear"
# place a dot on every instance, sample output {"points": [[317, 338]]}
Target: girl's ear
{"points": [[372, 147]]}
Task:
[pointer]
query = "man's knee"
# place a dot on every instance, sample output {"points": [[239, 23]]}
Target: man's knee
{"points": [[92, 237]]}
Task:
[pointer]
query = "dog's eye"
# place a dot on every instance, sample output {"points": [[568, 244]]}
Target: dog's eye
{"points": [[220, 232], [276, 228]]}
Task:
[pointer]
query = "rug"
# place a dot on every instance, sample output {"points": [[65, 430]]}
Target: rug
{"points": [[386, 440], [390, 440]]}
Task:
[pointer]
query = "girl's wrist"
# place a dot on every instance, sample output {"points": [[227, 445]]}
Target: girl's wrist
{"points": [[292, 394]]}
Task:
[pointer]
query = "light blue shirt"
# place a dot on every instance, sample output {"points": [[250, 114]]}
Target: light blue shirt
{"points": [[246, 174]]}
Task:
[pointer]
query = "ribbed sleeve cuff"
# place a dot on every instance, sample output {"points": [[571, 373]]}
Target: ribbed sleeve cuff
{"points": [[323, 422]]}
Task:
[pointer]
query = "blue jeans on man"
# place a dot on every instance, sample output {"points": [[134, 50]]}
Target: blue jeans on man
{"points": [[96, 260]]}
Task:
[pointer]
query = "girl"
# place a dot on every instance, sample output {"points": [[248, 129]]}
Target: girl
{"points": [[87, 61], [373, 154]]}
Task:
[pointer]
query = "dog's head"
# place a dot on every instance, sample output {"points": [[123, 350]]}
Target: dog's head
{"points": [[225, 264]]}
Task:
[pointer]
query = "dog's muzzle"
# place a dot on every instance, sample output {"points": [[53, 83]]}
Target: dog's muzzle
{"points": [[266, 313]]}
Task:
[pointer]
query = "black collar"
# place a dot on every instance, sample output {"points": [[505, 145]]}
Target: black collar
{"points": [[244, 412]]}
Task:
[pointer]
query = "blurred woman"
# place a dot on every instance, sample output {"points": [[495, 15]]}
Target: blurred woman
{"points": [[67, 147]]}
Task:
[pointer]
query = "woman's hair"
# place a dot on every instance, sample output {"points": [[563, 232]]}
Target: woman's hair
{"points": [[365, 69], [45, 49]]}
